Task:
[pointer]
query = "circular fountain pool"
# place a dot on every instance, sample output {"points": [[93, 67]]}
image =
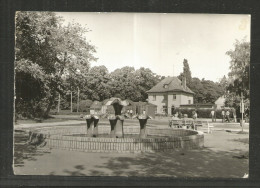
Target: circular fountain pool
{"points": [[76, 138]]}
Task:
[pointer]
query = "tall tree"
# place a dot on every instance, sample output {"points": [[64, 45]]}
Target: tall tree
{"points": [[239, 68], [186, 73], [47, 55]]}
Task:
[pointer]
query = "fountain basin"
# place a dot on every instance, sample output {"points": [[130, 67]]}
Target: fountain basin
{"points": [[158, 139]]}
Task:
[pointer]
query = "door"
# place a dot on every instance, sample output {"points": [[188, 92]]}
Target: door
{"points": [[172, 110]]}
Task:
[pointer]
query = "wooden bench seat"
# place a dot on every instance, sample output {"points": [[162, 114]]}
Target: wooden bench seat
{"points": [[191, 124]]}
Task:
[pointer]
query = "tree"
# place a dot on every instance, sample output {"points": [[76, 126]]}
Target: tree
{"points": [[124, 82], [98, 85], [212, 91], [198, 89], [239, 68], [132, 84], [238, 81], [206, 91], [186, 73], [146, 79], [48, 55]]}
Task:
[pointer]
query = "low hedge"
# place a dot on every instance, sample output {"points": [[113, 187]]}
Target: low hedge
{"points": [[84, 106]]}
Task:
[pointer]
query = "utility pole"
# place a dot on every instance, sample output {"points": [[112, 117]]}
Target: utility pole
{"points": [[78, 101], [59, 103], [71, 101]]}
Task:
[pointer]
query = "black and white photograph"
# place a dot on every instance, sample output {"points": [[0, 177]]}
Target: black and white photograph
{"points": [[131, 94]]}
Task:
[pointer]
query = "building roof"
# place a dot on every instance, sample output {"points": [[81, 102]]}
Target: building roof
{"points": [[174, 84]]}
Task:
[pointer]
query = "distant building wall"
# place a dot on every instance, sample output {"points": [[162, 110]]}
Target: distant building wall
{"points": [[167, 100], [159, 101], [186, 98]]}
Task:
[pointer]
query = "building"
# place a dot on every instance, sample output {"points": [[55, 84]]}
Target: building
{"points": [[148, 108], [169, 94], [220, 102], [96, 107]]}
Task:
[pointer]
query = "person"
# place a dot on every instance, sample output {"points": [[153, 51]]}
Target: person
{"points": [[131, 113], [247, 114], [234, 115], [223, 115], [212, 113], [180, 115], [176, 124], [227, 116], [175, 116], [194, 115]]}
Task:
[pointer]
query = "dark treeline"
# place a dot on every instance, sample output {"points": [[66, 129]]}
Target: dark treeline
{"points": [[128, 83]]}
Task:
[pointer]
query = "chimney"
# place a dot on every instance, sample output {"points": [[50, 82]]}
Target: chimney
{"points": [[184, 82]]}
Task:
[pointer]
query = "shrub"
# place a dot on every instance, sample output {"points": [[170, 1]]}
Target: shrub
{"points": [[84, 106]]}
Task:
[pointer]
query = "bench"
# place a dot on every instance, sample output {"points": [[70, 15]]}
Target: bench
{"points": [[191, 124], [208, 127], [181, 124]]}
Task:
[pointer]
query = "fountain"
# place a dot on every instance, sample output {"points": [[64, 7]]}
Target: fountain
{"points": [[116, 137], [92, 125]]}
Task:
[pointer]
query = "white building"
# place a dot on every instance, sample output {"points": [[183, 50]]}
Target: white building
{"points": [[169, 94]]}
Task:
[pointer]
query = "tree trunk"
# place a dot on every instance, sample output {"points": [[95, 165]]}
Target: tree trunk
{"points": [[78, 101], [59, 104], [47, 111]]}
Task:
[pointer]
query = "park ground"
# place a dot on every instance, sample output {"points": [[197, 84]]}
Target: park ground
{"points": [[224, 155]]}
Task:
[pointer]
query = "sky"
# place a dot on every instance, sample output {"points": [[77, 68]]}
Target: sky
{"points": [[162, 41]]}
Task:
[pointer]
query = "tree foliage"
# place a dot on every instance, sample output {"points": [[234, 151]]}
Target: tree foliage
{"points": [[238, 80], [239, 68], [133, 84], [186, 73], [206, 91], [98, 85], [47, 54]]}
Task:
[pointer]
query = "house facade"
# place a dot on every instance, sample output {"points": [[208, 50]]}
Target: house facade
{"points": [[169, 94]]}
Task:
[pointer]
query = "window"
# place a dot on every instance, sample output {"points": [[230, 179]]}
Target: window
{"points": [[154, 97], [189, 101], [165, 86], [174, 97]]}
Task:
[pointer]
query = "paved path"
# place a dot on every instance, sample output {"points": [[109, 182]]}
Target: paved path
{"points": [[218, 126], [222, 157]]}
